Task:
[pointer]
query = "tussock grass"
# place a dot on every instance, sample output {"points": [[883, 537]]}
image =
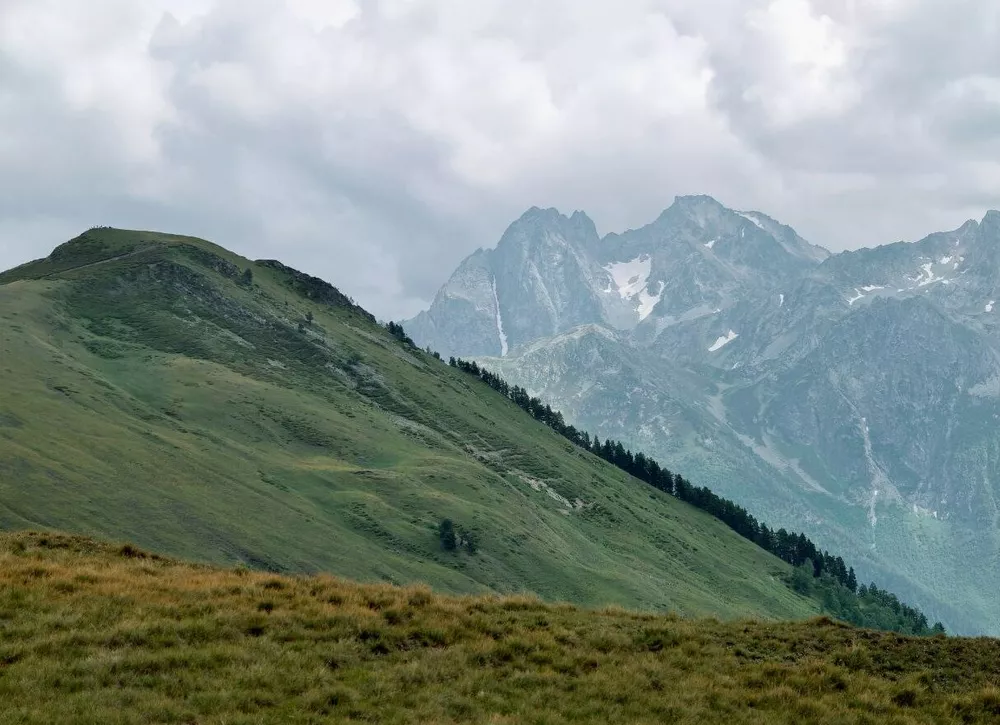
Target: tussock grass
{"points": [[92, 632]]}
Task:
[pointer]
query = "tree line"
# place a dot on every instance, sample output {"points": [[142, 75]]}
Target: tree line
{"points": [[817, 572]]}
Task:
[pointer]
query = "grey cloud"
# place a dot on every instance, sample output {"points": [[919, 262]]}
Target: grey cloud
{"points": [[379, 152]]}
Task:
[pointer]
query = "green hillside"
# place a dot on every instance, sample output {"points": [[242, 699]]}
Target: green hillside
{"points": [[94, 633], [154, 391]]}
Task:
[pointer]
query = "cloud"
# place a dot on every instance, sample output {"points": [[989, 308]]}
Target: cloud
{"points": [[377, 142]]}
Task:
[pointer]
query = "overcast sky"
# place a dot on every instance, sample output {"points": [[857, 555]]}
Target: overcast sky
{"points": [[375, 143]]}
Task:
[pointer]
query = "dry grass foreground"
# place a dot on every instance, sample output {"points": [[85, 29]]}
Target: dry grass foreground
{"points": [[91, 632]]}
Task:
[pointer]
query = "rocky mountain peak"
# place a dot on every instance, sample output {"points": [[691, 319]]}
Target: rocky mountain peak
{"points": [[551, 272], [544, 235], [693, 203], [990, 225], [537, 214]]}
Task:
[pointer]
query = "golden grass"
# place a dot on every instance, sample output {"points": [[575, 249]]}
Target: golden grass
{"points": [[91, 632]]}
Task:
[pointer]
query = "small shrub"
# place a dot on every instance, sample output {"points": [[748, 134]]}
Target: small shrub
{"points": [[397, 616], [130, 552], [446, 532], [907, 697]]}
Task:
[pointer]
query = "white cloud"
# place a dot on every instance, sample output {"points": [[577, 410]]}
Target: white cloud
{"points": [[809, 62], [376, 143]]}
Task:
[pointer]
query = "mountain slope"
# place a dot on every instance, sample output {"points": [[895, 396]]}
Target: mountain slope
{"points": [[161, 389], [852, 396], [101, 633]]}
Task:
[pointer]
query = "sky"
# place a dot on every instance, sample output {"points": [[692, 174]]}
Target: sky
{"points": [[376, 143]]}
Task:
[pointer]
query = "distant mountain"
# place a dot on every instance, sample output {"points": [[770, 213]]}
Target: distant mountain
{"points": [[550, 273], [539, 281], [855, 396]]}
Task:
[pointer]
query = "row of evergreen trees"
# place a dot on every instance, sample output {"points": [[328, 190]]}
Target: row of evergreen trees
{"points": [[835, 583], [397, 331]]}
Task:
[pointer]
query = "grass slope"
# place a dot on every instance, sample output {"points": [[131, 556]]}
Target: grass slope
{"points": [[150, 394], [91, 633]]}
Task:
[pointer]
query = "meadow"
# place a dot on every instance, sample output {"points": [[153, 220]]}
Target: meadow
{"points": [[93, 632]]}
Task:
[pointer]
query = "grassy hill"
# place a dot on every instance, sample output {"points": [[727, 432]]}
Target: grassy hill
{"points": [[162, 390], [94, 633]]}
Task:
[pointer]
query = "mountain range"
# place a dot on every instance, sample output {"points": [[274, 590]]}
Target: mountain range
{"points": [[854, 396]]}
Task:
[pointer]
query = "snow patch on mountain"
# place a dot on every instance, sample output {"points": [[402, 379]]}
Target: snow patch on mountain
{"points": [[862, 291], [647, 301], [630, 277], [926, 275], [746, 215], [723, 341], [880, 483], [631, 281], [499, 320]]}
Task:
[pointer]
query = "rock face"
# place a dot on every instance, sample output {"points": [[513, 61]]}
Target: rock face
{"points": [[540, 280], [854, 396]]}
